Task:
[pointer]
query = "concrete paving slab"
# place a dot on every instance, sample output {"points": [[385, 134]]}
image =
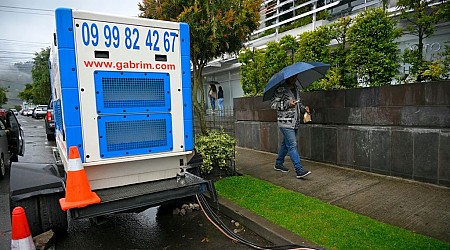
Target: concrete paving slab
{"points": [[326, 183], [413, 206], [419, 207]]}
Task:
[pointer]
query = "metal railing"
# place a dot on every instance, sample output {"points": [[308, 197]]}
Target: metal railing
{"points": [[219, 120]]}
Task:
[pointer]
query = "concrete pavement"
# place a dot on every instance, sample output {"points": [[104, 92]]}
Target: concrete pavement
{"points": [[418, 207]]}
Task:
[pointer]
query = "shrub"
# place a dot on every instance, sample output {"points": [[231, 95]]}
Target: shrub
{"points": [[216, 148]]}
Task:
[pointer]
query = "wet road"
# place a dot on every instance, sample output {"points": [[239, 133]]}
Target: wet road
{"points": [[155, 228]]}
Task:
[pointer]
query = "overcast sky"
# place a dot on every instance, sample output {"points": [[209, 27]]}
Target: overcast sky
{"points": [[26, 26]]}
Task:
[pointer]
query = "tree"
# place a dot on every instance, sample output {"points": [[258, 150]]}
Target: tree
{"points": [[27, 93], [259, 65], [3, 98], [373, 55], [290, 45], [217, 27], [339, 54], [40, 88], [314, 46], [439, 69], [275, 59], [419, 18], [252, 69], [443, 11]]}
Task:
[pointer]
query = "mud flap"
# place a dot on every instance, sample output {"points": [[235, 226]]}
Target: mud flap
{"points": [[33, 179]]}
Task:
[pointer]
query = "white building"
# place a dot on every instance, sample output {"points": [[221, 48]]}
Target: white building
{"points": [[279, 15]]}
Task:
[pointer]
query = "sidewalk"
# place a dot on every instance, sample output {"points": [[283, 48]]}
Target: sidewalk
{"points": [[418, 207]]}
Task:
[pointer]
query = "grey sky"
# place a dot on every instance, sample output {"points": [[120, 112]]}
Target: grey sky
{"points": [[26, 26]]}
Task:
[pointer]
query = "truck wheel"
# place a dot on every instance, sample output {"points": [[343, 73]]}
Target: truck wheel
{"points": [[2, 168], [31, 206], [50, 137], [52, 216], [14, 158], [43, 213]]}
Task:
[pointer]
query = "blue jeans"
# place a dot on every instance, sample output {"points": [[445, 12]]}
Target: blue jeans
{"points": [[220, 105], [289, 145], [213, 102]]}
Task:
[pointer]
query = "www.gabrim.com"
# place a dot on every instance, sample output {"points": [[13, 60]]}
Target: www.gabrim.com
{"points": [[128, 65]]}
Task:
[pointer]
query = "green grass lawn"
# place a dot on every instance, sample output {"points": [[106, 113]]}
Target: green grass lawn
{"points": [[326, 225]]}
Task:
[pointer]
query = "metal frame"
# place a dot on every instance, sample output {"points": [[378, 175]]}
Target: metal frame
{"points": [[143, 195]]}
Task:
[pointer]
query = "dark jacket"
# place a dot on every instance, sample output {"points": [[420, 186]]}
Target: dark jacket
{"points": [[287, 117]]}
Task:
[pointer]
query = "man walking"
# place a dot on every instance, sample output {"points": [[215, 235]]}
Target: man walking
{"points": [[286, 101]]}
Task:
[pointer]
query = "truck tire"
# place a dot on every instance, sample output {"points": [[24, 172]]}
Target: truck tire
{"points": [[31, 207], [2, 168], [43, 213], [50, 137], [52, 216], [14, 158]]}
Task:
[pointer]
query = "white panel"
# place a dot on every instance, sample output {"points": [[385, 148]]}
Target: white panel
{"points": [[137, 171], [138, 57]]}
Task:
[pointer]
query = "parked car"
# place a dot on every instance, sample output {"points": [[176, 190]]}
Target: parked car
{"points": [[49, 122], [28, 112], [3, 114], [39, 112], [11, 142]]}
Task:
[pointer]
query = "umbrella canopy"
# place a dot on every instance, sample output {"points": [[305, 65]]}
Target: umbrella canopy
{"points": [[307, 73], [213, 82]]}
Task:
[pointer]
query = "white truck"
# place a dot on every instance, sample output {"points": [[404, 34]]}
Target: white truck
{"points": [[121, 90]]}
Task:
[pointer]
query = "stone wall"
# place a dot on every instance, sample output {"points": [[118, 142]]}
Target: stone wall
{"points": [[401, 130]]}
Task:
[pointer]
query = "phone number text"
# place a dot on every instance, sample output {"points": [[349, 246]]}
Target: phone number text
{"points": [[130, 37]]}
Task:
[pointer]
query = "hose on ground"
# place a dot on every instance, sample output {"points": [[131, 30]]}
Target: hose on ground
{"points": [[218, 223]]}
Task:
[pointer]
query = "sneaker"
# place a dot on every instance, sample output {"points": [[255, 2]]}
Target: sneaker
{"points": [[302, 173], [281, 168]]}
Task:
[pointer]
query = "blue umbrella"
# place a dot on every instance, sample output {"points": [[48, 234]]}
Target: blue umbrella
{"points": [[307, 73]]}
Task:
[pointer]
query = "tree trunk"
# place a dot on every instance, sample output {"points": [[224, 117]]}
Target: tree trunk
{"points": [[420, 49]]}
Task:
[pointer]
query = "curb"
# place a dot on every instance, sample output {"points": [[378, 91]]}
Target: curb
{"points": [[263, 227]]}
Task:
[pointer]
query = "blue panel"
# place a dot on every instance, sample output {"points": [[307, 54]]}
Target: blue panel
{"points": [[57, 110], [132, 92], [187, 89], [70, 127], [64, 28], [125, 135], [186, 85], [189, 135], [67, 68], [74, 138], [71, 106], [185, 40]]}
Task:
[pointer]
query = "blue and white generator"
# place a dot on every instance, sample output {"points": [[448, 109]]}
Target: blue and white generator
{"points": [[121, 90], [122, 94]]}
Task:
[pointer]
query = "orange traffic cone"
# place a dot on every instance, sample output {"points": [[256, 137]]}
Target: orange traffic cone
{"points": [[78, 190], [21, 236]]}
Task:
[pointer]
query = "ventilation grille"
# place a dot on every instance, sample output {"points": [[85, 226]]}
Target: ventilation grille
{"points": [[134, 134], [132, 92], [57, 114], [128, 92]]}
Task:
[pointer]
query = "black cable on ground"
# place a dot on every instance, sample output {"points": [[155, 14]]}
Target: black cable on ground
{"points": [[217, 222], [239, 238]]}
